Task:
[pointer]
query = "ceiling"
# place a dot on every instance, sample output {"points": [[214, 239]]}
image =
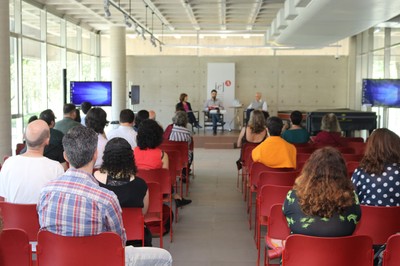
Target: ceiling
{"points": [[296, 23]]}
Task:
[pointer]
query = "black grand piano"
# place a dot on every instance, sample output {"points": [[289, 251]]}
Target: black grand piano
{"points": [[349, 120]]}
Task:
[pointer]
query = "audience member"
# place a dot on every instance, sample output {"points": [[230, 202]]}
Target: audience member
{"points": [[257, 104], [330, 134], [125, 129], [32, 118], [68, 121], [213, 106], [118, 174], [152, 115], [255, 131], [95, 209], [179, 132], [377, 179], [148, 155], [296, 133], [54, 150], [184, 105], [85, 107], [140, 116], [96, 119], [23, 176], [323, 202], [275, 152]]}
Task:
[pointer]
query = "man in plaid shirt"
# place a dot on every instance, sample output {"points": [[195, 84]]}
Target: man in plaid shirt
{"points": [[75, 205]]}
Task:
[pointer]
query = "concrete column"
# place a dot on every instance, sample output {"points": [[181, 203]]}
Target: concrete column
{"points": [[5, 94], [118, 70]]}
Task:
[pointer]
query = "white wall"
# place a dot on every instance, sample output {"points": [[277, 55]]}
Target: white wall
{"points": [[286, 82]]}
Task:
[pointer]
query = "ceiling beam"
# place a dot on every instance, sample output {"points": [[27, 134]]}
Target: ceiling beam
{"points": [[254, 14], [189, 11], [222, 15], [159, 14]]}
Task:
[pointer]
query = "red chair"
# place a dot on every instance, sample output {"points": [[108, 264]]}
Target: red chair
{"points": [[302, 157], [101, 250], [19, 147], [277, 232], [247, 163], [351, 166], [379, 223], [162, 177], [2, 198], [302, 250], [268, 196], [308, 149], [21, 216], [15, 248], [343, 150], [155, 210], [353, 139], [243, 156], [391, 255], [133, 220], [359, 147], [352, 157]]}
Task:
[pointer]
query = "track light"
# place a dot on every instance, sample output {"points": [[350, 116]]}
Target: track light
{"points": [[127, 22], [143, 32], [160, 48], [107, 12]]}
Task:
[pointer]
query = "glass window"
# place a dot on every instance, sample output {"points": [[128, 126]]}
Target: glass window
{"points": [[393, 123], [379, 38], [12, 16], [86, 41], [34, 97], [378, 64], [395, 62], [53, 29], [72, 68], [72, 36], [89, 68], [395, 36], [30, 21], [55, 92]]}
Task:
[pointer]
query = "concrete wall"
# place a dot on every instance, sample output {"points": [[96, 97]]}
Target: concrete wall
{"points": [[286, 82]]}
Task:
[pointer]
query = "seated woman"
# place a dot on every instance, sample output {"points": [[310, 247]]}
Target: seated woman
{"points": [[96, 119], [322, 201], [184, 105], [148, 155], [330, 134], [117, 173], [377, 179], [255, 131], [179, 132], [296, 133]]}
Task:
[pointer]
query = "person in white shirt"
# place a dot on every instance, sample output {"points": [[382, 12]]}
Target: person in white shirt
{"points": [[214, 104], [23, 176], [257, 104], [125, 129]]}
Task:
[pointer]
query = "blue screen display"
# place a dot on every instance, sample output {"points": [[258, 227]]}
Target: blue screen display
{"points": [[381, 92], [98, 93]]}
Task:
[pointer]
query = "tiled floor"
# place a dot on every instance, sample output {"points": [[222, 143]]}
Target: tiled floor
{"points": [[213, 230]]}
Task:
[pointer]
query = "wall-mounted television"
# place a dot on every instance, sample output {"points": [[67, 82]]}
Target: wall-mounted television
{"points": [[381, 92], [98, 93]]}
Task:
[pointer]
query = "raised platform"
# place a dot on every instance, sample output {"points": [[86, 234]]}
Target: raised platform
{"points": [[223, 140]]}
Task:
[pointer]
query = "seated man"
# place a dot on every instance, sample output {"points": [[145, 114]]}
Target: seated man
{"points": [[95, 209], [275, 152], [257, 104], [213, 106], [125, 129], [68, 121], [23, 176]]}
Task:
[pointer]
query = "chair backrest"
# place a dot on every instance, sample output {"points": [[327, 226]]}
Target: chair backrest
{"points": [[348, 150], [351, 166], [270, 195], [180, 146], [133, 220], [308, 149], [174, 164], [352, 157], [247, 149], [277, 224], [160, 175], [359, 147], [391, 255], [22, 216], [353, 139], [328, 251], [103, 249], [302, 157], [155, 198], [277, 178], [379, 223], [15, 248], [257, 168]]}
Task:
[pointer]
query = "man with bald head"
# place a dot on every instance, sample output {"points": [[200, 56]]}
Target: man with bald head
{"points": [[23, 176]]}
